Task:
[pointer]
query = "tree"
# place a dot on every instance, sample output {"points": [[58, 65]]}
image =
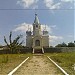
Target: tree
{"points": [[70, 44], [74, 43], [51, 46], [61, 45], [1, 46], [13, 44]]}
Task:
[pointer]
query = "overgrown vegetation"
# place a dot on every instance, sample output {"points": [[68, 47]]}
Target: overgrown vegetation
{"points": [[65, 60], [4, 59], [70, 44], [9, 61]]}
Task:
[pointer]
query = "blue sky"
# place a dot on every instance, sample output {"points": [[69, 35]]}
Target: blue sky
{"points": [[58, 15]]}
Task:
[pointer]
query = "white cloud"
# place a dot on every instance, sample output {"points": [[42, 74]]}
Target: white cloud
{"points": [[51, 5], [55, 38], [67, 1], [35, 7], [46, 27], [55, 6], [25, 26], [27, 3]]}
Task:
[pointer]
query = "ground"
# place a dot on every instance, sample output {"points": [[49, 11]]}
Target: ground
{"points": [[65, 60], [9, 61], [38, 65]]}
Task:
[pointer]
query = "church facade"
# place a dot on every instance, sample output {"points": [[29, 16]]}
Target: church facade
{"points": [[38, 38]]}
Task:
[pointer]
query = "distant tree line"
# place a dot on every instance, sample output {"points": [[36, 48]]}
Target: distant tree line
{"points": [[70, 44]]}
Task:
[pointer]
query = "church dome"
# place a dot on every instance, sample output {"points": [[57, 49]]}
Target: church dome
{"points": [[45, 32], [28, 33]]}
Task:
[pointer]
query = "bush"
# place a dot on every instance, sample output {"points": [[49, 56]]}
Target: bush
{"points": [[70, 44]]}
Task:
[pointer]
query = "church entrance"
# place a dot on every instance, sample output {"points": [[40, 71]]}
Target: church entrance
{"points": [[38, 48], [37, 43]]}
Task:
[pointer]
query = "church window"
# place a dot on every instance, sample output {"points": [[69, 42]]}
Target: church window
{"points": [[36, 26]]}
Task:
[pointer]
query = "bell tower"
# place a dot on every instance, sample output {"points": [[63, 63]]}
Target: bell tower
{"points": [[36, 26]]}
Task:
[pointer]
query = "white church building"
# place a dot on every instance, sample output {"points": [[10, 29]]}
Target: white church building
{"points": [[38, 38]]}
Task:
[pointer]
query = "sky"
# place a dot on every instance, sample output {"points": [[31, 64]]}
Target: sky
{"points": [[57, 15]]}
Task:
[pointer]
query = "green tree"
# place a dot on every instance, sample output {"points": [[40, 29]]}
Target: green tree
{"points": [[61, 45], [13, 44], [51, 46], [70, 44], [74, 43], [1, 46]]}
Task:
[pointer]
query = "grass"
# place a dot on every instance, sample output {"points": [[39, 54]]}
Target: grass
{"points": [[65, 60], [9, 61]]}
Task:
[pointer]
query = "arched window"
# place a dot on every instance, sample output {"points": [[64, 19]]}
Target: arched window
{"points": [[36, 26], [37, 43]]}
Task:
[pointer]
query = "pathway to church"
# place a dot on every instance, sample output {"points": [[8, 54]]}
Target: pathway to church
{"points": [[38, 65]]}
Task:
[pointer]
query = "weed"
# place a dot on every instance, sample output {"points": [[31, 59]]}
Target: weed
{"points": [[65, 60], [5, 59]]}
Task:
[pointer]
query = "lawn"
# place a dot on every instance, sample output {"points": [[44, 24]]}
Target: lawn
{"points": [[65, 60], [9, 61]]}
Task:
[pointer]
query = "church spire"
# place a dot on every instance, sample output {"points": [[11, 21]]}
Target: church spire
{"points": [[36, 21]]}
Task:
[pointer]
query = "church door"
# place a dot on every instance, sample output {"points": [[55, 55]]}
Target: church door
{"points": [[37, 43]]}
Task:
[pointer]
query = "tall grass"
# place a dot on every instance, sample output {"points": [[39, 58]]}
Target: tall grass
{"points": [[65, 60], [9, 61], [5, 59]]}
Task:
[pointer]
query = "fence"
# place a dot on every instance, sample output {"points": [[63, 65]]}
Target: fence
{"points": [[46, 50], [20, 50], [59, 49]]}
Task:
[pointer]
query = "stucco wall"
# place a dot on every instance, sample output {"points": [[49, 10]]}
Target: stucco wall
{"points": [[59, 49], [29, 41], [45, 41]]}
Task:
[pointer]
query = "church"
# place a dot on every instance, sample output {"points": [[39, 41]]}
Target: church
{"points": [[37, 39]]}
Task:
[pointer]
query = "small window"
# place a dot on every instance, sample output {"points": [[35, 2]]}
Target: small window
{"points": [[37, 26]]}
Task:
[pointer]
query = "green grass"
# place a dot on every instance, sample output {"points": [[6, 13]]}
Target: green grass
{"points": [[9, 61], [65, 60]]}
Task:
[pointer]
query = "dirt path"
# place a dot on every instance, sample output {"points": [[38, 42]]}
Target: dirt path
{"points": [[38, 65]]}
